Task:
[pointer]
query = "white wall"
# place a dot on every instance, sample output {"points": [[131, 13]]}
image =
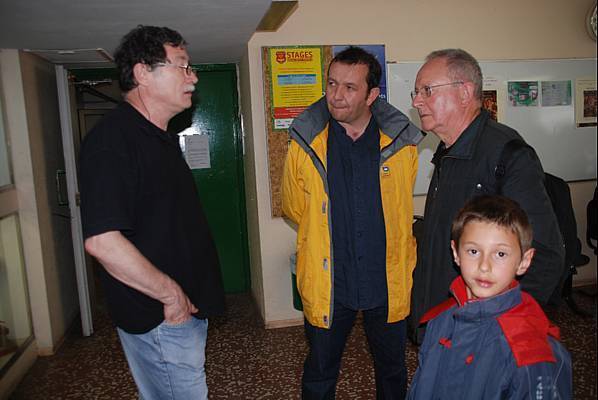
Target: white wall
{"points": [[410, 29]]}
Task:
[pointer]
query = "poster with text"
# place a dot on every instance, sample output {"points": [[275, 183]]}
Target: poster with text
{"points": [[494, 96], [556, 93], [586, 103], [523, 94], [197, 151], [296, 81], [490, 103]]}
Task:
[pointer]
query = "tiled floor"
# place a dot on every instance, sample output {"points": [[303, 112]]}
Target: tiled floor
{"points": [[245, 361]]}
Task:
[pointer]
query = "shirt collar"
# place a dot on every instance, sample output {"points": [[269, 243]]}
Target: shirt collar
{"points": [[370, 137], [464, 145]]}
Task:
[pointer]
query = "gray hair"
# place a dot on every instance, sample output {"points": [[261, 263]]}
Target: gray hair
{"points": [[461, 66]]}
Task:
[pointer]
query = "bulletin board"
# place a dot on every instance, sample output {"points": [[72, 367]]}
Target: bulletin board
{"points": [[566, 147]]}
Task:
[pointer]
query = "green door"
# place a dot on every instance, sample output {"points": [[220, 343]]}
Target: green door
{"points": [[215, 112]]}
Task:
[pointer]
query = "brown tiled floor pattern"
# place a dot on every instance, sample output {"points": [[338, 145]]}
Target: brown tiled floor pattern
{"points": [[245, 361]]}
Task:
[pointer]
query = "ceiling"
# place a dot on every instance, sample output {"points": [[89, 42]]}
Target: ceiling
{"points": [[217, 30]]}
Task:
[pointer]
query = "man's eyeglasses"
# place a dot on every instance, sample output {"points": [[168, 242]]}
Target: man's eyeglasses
{"points": [[188, 68], [426, 91]]}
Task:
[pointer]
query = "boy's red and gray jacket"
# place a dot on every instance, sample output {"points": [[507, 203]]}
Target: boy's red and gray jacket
{"points": [[503, 347], [305, 202]]}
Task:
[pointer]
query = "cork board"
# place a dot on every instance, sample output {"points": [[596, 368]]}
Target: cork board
{"points": [[277, 121]]}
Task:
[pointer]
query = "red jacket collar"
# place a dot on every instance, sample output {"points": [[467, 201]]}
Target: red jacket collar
{"points": [[459, 291]]}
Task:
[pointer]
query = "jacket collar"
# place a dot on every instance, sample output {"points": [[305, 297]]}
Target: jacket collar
{"points": [[484, 308], [465, 145], [393, 123]]}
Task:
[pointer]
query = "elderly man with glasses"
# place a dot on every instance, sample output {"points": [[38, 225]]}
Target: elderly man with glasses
{"points": [[476, 156], [143, 221]]}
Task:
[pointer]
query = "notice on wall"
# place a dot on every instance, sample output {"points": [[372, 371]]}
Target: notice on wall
{"points": [[296, 81], [523, 94], [493, 96], [490, 103], [556, 93], [197, 151], [586, 102]]}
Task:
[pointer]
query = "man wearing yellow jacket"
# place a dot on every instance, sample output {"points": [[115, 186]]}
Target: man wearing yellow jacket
{"points": [[348, 185]]}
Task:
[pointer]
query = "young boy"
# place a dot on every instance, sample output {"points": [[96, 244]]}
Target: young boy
{"points": [[492, 341]]}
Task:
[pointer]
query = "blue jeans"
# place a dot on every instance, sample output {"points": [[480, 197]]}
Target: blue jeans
{"points": [[168, 361], [326, 346]]}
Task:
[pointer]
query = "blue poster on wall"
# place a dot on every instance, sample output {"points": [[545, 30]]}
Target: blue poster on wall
{"points": [[378, 51]]}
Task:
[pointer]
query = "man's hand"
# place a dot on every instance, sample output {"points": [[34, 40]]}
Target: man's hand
{"points": [[177, 307]]}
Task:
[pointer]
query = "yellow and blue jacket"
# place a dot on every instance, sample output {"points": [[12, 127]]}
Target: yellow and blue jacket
{"points": [[305, 202]]}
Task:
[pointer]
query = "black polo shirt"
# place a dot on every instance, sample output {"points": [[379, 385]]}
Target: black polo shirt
{"points": [[358, 230], [134, 180]]}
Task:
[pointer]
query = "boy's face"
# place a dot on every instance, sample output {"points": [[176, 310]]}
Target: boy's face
{"points": [[489, 257]]}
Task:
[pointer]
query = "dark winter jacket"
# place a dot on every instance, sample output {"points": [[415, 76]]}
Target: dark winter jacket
{"points": [[468, 170], [502, 347]]}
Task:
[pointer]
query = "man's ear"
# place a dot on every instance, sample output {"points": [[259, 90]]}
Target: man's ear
{"points": [[455, 253], [372, 95], [525, 262], [141, 73], [467, 92]]}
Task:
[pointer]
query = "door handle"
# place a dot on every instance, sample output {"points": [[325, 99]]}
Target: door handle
{"points": [[60, 175]]}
